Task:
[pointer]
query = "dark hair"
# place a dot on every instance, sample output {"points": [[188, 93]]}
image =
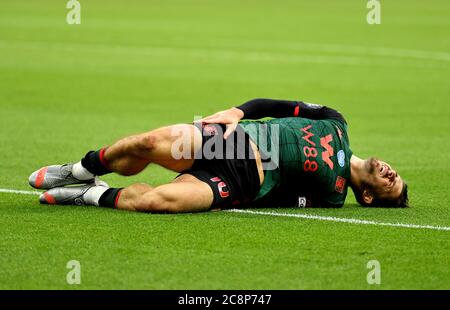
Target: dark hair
{"points": [[401, 202]]}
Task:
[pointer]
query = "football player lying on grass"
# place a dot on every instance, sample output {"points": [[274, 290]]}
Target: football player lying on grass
{"points": [[299, 157]]}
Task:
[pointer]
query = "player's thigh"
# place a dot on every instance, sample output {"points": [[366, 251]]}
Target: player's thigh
{"points": [[185, 194], [176, 146]]}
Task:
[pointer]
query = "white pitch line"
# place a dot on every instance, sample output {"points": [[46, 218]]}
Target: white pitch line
{"points": [[15, 191], [304, 54], [342, 220], [295, 215]]}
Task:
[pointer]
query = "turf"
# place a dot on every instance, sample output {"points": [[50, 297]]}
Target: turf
{"points": [[136, 65]]}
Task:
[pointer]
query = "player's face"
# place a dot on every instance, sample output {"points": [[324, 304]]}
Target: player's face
{"points": [[385, 181]]}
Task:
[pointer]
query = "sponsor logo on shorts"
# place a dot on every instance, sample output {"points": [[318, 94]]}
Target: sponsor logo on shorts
{"points": [[340, 184], [221, 186], [302, 202], [224, 193], [341, 158]]}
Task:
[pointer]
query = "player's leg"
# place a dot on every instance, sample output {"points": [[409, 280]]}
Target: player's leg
{"points": [[219, 183], [128, 156], [132, 154], [184, 194]]}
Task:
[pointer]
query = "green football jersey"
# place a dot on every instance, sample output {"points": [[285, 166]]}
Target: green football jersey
{"points": [[307, 162]]}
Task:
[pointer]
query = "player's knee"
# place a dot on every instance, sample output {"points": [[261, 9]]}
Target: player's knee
{"points": [[155, 202]]}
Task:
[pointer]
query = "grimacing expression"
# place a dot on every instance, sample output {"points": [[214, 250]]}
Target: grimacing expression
{"points": [[385, 182]]}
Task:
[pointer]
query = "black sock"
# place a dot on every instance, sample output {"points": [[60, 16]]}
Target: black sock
{"points": [[95, 162], [110, 198]]}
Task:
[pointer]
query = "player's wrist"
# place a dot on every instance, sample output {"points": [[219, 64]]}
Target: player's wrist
{"points": [[238, 113]]}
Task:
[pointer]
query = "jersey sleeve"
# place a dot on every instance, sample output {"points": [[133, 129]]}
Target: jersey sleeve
{"points": [[260, 108], [318, 112]]}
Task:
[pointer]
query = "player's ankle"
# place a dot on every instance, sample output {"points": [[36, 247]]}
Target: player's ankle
{"points": [[110, 198], [95, 162], [92, 196], [81, 173]]}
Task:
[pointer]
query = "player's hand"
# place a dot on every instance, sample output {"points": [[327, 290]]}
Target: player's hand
{"points": [[230, 118]]}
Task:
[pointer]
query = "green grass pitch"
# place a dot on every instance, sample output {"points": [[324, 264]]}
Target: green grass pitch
{"points": [[131, 66]]}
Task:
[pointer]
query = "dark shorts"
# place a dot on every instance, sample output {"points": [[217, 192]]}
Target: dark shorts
{"points": [[232, 173]]}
